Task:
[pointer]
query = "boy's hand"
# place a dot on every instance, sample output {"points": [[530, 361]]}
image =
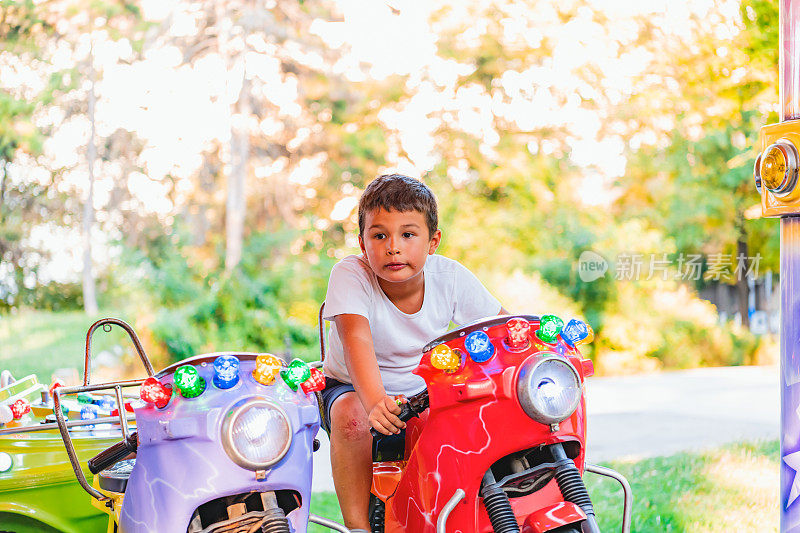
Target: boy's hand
{"points": [[383, 416]]}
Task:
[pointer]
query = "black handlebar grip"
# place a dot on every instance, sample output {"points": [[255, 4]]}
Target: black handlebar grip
{"points": [[114, 454], [406, 414]]}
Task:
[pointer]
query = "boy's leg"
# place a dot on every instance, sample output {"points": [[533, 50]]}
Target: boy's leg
{"points": [[351, 459]]}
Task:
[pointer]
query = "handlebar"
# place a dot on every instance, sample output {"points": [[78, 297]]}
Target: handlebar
{"points": [[114, 454], [413, 407]]}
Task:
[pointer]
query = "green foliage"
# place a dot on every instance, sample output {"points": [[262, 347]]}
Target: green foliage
{"points": [[16, 128], [687, 345], [509, 191], [268, 303]]}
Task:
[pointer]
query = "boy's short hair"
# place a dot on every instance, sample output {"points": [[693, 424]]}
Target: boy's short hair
{"points": [[395, 192]]}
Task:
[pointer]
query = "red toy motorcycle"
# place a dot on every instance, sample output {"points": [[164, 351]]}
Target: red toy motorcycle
{"points": [[497, 441]]}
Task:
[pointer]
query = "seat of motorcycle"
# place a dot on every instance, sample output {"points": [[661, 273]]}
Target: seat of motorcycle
{"points": [[115, 478]]}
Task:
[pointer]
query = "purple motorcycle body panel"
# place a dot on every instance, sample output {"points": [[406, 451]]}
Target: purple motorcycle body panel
{"points": [[181, 463]]}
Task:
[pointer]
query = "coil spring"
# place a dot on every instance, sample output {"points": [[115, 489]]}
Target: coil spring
{"points": [[499, 510], [572, 488], [377, 514], [275, 522]]}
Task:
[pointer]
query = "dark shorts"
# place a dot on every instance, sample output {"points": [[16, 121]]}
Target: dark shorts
{"points": [[333, 389]]}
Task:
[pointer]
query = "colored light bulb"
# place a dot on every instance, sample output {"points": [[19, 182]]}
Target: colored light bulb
{"points": [[6, 414], [444, 358], [479, 346], [316, 382], [297, 373], [128, 408], [267, 367], [549, 328], [54, 385], [88, 412], [226, 371], [106, 402], [577, 332], [189, 381], [518, 329], [85, 397], [154, 391], [20, 408]]}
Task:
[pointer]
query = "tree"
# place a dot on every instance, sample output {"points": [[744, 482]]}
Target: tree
{"points": [[693, 177]]}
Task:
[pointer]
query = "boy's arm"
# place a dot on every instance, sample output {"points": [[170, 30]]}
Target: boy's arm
{"points": [[362, 366]]}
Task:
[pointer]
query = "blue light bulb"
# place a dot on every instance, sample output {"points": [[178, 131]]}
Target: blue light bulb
{"points": [[88, 412], [106, 402], [574, 332], [226, 371], [479, 346]]}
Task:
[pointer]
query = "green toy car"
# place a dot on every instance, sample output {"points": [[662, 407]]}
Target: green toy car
{"points": [[38, 492]]}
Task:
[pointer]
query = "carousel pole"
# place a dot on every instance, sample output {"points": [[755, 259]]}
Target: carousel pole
{"points": [[776, 173]]}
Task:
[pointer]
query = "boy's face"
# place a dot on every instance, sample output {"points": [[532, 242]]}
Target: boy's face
{"points": [[396, 244]]}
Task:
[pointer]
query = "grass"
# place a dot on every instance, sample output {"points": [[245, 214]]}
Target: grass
{"points": [[732, 488], [40, 342], [324, 504]]}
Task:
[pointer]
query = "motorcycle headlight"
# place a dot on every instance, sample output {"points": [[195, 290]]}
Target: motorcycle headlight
{"points": [[256, 434], [548, 389]]}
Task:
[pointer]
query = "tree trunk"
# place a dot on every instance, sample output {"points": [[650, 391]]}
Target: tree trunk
{"points": [[89, 295], [240, 143], [236, 200], [742, 288], [3, 182]]}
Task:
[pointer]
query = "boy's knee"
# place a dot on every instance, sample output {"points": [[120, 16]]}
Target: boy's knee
{"points": [[348, 419]]}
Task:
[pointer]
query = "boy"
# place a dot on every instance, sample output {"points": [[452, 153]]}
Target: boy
{"points": [[385, 305]]}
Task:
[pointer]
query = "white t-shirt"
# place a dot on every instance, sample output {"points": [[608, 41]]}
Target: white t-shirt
{"points": [[452, 293]]}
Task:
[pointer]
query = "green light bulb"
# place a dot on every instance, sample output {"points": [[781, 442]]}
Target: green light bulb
{"points": [[189, 381], [85, 397], [297, 373], [549, 328]]}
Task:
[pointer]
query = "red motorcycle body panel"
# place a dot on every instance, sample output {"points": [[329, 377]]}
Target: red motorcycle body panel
{"points": [[553, 517], [475, 419]]}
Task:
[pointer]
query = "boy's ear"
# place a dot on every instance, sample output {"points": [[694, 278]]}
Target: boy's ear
{"points": [[361, 245], [435, 240]]}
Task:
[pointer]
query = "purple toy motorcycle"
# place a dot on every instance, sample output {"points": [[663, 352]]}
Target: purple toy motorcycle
{"points": [[223, 443]]}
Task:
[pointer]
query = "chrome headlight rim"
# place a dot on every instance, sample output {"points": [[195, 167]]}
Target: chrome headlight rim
{"points": [[524, 389], [227, 433]]}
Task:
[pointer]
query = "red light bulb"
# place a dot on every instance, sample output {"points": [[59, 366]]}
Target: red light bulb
{"points": [[314, 383], [154, 391], [20, 408], [518, 329], [56, 383]]}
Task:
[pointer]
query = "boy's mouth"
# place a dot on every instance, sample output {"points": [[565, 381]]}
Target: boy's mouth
{"points": [[395, 266]]}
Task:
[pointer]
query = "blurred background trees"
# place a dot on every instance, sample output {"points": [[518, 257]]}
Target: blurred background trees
{"points": [[214, 153]]}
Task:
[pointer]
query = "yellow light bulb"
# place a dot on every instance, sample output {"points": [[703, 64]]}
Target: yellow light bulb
{"points": [[773, 168], [589, 338], [444, 358], [267, 367]]}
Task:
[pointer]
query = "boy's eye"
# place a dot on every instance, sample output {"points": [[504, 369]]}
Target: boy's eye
{"points": [[408, 234], [378, 236]]}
